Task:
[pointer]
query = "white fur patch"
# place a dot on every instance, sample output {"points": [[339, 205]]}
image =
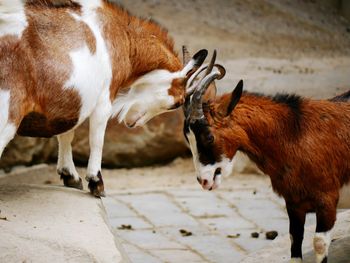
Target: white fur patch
{"points": [[207, 172], [89, 4], [321, 245], [92, 73], [7, 129], [6, 135], [4, 110], [98, 123], [147, 97], [12, 18]]}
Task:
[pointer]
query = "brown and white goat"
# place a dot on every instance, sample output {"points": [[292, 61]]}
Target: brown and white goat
{"points": [[64, 61], [302, 144]]}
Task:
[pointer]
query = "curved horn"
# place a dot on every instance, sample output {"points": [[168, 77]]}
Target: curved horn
{"points": [[196, 103], [185, 55], [211, 64], [222, 71], [190, 88]]}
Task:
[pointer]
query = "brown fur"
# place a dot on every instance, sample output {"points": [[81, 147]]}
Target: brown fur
{"points": [[146, 46], [302, 144], [304, 147], [36, 66], [303, 162]]}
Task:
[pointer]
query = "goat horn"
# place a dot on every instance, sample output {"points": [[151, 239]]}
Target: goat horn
{"points": [[196, 103], [190, 88], [211, 64], [185, 55]]}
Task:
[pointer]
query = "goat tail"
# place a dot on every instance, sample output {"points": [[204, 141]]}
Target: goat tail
{"points": [[344, 97]]}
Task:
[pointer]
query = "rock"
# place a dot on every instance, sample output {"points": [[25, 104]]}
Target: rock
{"points": [[254, 235], [160, 140], [271, 235], [185, 233], [234, 236], [26, 150], [41, 227]]}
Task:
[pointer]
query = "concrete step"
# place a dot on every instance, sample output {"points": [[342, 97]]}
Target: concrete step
{"points": [[54, 224]]}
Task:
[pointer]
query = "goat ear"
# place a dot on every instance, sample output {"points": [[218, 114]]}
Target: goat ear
{"points": [[210, 93], [235, 97]]}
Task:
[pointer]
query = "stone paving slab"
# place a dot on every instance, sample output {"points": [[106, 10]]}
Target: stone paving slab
{"points": [[339, 250], [219, 223], [157, 215]]}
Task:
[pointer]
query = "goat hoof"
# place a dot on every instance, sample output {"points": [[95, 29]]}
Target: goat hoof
{"points": [[96, 185], [69, 180]]}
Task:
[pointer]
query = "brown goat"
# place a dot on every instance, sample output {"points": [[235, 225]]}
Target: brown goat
{"points": [[63, 61], [302, 144]]}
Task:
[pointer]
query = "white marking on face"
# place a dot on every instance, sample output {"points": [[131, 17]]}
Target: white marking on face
{"points": [[12, 18], [7, 129], [207, 172], [321, 244], [147, 97], [92, 73]]}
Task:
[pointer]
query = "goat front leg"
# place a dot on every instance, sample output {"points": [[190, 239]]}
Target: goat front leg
{"points": [[98, 124], [326, 217], [65, 164], [6, 135], [296, 231]]}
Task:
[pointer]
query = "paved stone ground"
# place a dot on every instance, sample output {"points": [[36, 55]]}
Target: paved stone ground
{"points": [[157, 202], [220, 222]]}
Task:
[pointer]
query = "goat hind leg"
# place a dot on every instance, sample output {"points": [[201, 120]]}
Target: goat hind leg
{"points": [[8, 127], [65, 164], [296, 230], [326, 217], [6, 135]]}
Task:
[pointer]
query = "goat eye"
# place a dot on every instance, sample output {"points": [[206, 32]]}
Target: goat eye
{"points": [[210, 138]]}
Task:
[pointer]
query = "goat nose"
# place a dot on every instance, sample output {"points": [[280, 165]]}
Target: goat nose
{"points": [[204, 182]]}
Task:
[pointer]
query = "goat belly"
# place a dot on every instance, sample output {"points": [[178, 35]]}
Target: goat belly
{"points": [[37, 124]]}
